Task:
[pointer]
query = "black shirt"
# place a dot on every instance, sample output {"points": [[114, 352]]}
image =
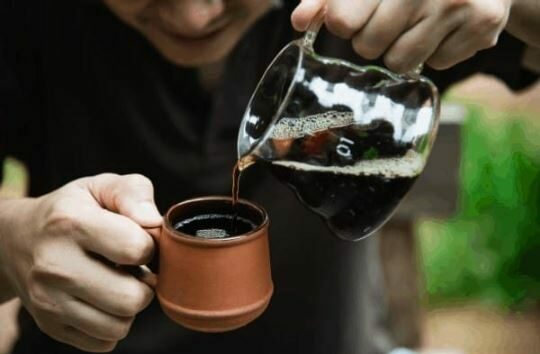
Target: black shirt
{"points": [[81, 94]]}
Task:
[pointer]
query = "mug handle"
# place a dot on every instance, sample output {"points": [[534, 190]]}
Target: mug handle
{"points": [[143, 273], [314, 27]]}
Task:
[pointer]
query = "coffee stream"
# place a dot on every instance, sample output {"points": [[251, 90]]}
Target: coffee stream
{"points": [[240, 165], [354, 194]]}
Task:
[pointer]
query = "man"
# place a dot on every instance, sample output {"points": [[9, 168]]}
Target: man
{"points": [[157, 88]]}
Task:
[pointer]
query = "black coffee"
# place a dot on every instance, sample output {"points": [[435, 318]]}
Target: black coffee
{"points": [[215, 225], [354, 177], [353, 205]]}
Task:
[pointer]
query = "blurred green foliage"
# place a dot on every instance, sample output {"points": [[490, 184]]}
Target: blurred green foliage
{"points": [[14, 179], [14, 174], [490, 251]]}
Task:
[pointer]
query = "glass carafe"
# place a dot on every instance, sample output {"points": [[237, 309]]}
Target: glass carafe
{"points": [[349, 140]]}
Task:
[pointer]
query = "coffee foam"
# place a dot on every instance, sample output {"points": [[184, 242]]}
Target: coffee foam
{"points": [[409, 165], [295, 128], [212, 233]]}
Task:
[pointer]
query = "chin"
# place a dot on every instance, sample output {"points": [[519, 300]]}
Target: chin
{"points": [[182, 58]]}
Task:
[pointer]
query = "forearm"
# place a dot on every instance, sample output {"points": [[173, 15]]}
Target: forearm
{"points": [[524, 21]]}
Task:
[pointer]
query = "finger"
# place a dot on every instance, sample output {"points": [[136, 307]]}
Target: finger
{"points": [[130, 195], [345, 18], [459, 47], [81, 340], [416, 45], [305, 12], [141, 273], [96, 323], [115, 237], [104, 286], [109, 289], [155, 232], [390, 19]]}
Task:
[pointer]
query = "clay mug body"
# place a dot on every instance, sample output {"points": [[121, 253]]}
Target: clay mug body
{"points": [[213, 285]]}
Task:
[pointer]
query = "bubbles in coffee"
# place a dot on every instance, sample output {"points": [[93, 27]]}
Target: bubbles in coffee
{"points": [[294, 128], [215, 226]]}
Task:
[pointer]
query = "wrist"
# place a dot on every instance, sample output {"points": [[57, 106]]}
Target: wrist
{"points": [[10, 216], [523, 21], [513, 7]]}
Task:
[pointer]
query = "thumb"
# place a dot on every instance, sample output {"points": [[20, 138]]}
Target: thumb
{"points": [[305, 12], [129, 195]]}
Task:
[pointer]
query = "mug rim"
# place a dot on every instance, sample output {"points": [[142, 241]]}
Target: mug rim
{"points": [[234, 240]]}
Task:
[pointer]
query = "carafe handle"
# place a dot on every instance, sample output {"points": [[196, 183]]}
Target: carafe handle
{"points": [[315, 26], [313, 29]]}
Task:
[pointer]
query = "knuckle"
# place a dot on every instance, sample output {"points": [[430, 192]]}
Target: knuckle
{"points": [[104, 176], [41, 303], [62, 220], [493, 16], [46, 269], [137, 179]]}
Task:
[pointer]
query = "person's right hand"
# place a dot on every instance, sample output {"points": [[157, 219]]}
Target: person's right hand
{"points": [[406, 33], [59, 253]]}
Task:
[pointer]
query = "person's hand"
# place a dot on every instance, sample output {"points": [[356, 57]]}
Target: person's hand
{"points": [[60, 253], [407, 33]]}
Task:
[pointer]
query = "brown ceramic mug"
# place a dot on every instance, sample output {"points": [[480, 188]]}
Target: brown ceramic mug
{"points": [[213, 284]]}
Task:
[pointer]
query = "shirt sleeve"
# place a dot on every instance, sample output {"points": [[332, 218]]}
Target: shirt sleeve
{"points": [[505, 61]]}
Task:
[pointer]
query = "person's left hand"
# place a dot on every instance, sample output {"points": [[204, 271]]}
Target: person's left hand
{"points": [[407, 33]]}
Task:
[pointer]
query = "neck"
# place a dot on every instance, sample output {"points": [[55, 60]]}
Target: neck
{"points": [[210, 75]]}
